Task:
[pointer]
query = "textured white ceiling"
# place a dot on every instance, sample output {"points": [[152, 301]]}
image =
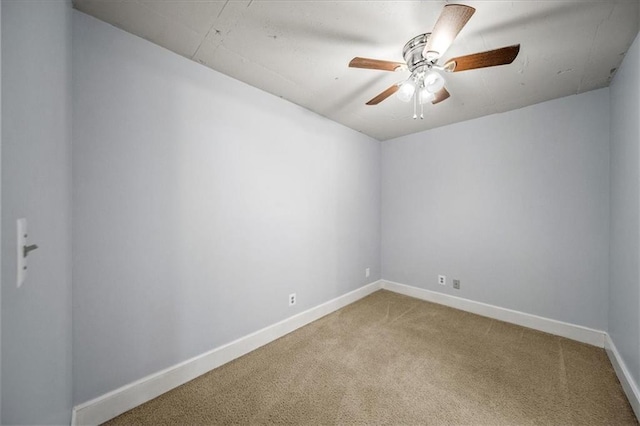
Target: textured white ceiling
{"points": [[299, 50]]}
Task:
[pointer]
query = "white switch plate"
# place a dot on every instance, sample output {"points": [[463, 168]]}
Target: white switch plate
{"points": [[21, 242], [442, 280]]}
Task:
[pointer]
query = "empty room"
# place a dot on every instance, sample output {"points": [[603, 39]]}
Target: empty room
{"points": [[320, 212]]}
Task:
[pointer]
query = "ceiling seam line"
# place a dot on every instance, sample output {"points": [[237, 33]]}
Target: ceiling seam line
{"points": [[209, 32]]}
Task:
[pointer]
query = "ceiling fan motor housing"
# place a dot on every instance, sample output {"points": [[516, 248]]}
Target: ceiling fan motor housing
{"points": [[412, 52]]}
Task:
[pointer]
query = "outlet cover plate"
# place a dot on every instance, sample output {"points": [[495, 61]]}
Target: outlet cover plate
{"points": [[456, 284], [442, 280], [292, 299]]}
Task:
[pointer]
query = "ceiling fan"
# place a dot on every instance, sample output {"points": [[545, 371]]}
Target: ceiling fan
{"points": [[421, 55]]}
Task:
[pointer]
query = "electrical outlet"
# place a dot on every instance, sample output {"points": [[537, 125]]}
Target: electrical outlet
{"points": [[292, 299], [367, 272], [456, 284], [442, 280]]}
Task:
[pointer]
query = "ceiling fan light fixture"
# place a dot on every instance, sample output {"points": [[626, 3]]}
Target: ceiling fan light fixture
{"points": [[407, 89], [434, 82], [421, 55], [425, 96]]}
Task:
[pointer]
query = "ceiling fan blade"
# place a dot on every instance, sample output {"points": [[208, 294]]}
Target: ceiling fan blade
{"points": [[452, 19], [440, 96], [376, 64], [490, 58], [384, 95]]}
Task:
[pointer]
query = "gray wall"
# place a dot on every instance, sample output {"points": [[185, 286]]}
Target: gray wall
{"points": [[200, 203], [624, 298], [36, 184], [515, 205], [0, 215]]}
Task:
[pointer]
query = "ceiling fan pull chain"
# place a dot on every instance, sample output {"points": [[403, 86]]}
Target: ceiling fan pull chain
{"points": [[415, 102], [421, 111]]}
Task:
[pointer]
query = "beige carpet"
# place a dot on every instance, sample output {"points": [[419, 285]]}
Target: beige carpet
{"points": [[391, 359]]}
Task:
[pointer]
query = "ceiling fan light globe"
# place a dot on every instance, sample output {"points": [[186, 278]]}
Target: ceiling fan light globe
{"points": [[407, 89], [430, 77], [434, 82], [425, 96]]}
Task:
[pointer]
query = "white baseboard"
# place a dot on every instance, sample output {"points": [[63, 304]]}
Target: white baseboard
{"points": [[116, 402], [626, 380], [559, 328]]}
